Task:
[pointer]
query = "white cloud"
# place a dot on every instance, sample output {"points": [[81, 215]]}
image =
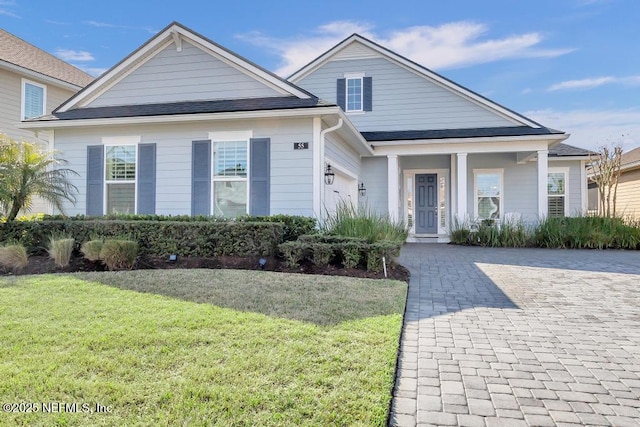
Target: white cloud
{"points": [[94, 71], [593, 82], [593, 128], [99, 24], [74, 55], [5, 11], [456, 44]]}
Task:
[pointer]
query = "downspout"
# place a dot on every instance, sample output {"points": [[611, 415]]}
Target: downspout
{"points": [[322, 166]]}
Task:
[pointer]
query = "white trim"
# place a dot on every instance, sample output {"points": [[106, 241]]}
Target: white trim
{"points": [[543, 180], [440, 173], [423, 72], [549, 139], [159, 42], [119, 141], [393, 186], [481, 147], [351, 76], [231, 136], [584, 188], [500, 172], [567, 173], [317, 168], [462, 187], [26, 82], [35, 75]]}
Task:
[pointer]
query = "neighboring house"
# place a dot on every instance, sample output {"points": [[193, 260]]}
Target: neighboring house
{"points": [[32, 83], [185, 126], [628, 194]]}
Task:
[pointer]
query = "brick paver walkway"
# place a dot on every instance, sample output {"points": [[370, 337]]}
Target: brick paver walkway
{"points": [[519, 337]]}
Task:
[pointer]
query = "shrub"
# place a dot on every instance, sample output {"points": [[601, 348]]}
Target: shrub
{"points": [[158, 238], [60, 249], [351, 254], [363, 222], [91, 249], [384, 251], [13, 257], [293, 253], [321, 253], [119, 254], [293, 226]]}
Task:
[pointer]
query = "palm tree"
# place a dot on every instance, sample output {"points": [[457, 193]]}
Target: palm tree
{"points": [[28, 171]]}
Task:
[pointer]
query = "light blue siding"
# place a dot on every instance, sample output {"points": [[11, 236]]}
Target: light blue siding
{"points": [[338, 150], [426, 162], [402, 100], [290, 175], [574, 183], [189, 75], [374, 177]]}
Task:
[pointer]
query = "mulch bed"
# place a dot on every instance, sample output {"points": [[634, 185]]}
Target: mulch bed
{"points": [[43, 264]]}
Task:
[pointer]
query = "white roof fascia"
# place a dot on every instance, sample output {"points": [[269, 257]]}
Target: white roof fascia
{"points": [[550, 139], [156, 44], [423, 72], [299, 112], [39, 76]]}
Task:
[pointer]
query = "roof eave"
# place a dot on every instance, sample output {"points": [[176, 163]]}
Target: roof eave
{"points": [[194, 117], [37, 75]]}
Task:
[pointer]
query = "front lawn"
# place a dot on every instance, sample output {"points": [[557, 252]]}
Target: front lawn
{"points": [[198, 347]]}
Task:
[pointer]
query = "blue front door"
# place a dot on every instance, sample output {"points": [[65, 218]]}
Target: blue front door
{"points": [[426, 203]]}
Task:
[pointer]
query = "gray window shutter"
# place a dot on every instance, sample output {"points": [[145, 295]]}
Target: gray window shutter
{"points": [[341, 94], [367, 93], [201, 175], [95, 180], [146, 179], [259, 175]]}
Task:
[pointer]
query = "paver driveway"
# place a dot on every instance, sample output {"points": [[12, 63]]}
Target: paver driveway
{"points": [[519, 337]]}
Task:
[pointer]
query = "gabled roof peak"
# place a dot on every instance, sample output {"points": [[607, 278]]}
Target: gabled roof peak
{"points": [[175, 33]]}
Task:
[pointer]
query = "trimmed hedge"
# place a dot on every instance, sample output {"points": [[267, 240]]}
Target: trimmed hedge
{"points": [[157, 238], [294, 226], [349, 252]]}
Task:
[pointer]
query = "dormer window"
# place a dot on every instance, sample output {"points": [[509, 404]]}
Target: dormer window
{"points": [[34, 99], [355, 93]]}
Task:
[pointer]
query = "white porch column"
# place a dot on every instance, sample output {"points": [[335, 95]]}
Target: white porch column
{"points": [[393, 186], [543, 170], [461, 191]]}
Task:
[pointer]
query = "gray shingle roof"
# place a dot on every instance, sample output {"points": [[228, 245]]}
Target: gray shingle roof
{"points": [[18, 52], [189, 107], [566, 150], [405, 135]]}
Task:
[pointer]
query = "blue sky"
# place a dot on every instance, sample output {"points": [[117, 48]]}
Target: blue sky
{"points": [[570, 64]]}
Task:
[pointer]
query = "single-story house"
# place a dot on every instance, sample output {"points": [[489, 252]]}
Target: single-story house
{"points": [[628, 194], [184, 126]]}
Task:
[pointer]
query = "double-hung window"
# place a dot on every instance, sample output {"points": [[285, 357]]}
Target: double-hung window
{"points": [[557, 205], [34, 99], [120, 179], [230, 160], [488, 193]]}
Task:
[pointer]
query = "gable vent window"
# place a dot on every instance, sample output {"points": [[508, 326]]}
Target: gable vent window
{"points": [[354, 93], [33, 99]]}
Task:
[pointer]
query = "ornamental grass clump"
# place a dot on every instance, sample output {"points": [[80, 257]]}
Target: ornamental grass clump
{"points": [[361, 221], [91, 249], [60, 249], [119, 254], [13, 257]]}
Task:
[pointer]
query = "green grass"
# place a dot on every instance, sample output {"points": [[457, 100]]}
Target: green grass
{"points": [[362, 221], [200, 347]]}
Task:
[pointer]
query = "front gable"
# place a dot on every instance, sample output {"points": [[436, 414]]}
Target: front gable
{"points": [[179, 65], [405, 95], [188, 74]]}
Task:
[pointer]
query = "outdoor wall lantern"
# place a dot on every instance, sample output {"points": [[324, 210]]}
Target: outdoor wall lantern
{"points": [[362, 190], [329, 175]]}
